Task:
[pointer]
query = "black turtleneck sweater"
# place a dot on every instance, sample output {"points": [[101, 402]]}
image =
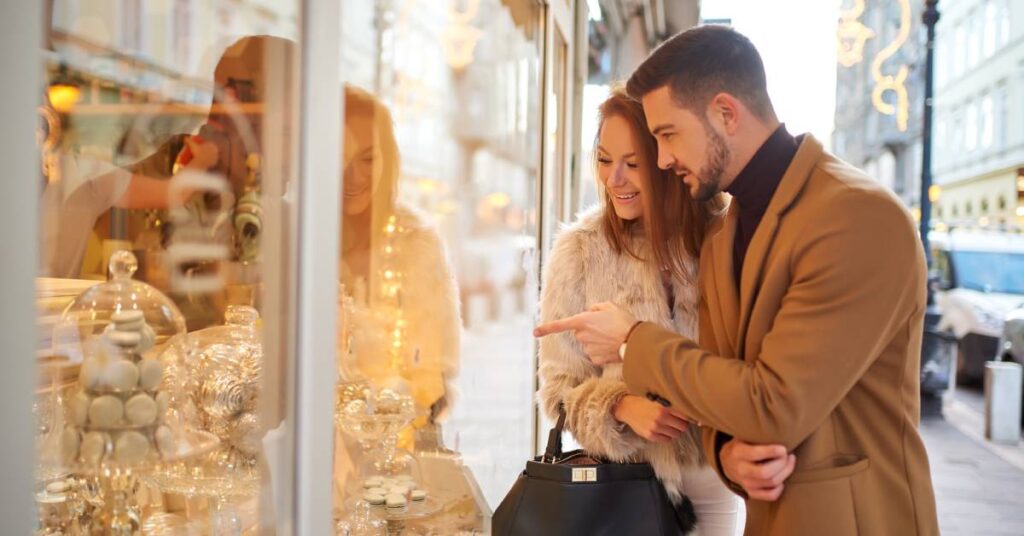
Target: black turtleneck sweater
{"points": [[754, 187]]}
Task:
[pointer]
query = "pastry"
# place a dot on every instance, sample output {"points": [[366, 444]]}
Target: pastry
{"points": [[377, 491], [105, 411], [69, 443], [163, 401], [164, 441], [80, 408], [94, 445], [57, 487], [404, 478], [140, 410], [151, 372], [126, 316], [395, 500], [131, 447], [374, 499], [418, 495], [399, 490], [124, 339], [372, 482], [121, 375]]}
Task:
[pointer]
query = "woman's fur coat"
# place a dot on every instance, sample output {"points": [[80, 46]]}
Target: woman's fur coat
{"points": [[583, 270]]}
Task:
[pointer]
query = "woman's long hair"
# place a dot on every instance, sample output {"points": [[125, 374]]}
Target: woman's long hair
{"points": [[382, 201], [675, 224]]}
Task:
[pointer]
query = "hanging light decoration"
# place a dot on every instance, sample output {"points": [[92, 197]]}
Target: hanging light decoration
{"points": [[852, 35], [459, 39], [894, 83]]}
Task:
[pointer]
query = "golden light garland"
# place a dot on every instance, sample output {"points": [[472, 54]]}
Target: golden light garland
{"points": [[897, 83], [459, 39], [852, 35]]}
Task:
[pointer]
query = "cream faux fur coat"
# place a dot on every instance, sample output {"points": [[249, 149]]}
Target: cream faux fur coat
{"points": [[583, 270]]}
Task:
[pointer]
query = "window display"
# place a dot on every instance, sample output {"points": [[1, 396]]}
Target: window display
{"points": [[173, 168]]}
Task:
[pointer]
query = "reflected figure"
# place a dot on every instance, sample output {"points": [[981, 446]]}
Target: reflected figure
{"points": [[403, 323]]}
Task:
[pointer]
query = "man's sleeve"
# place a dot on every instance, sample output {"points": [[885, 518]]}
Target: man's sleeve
{"points": [[853, 283]]}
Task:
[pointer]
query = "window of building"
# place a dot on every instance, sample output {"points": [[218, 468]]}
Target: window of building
{"points": [[971, 127], [1004, 22], [991, 28], [1002, 203], [987, 121], [973, 39], [969, 209], [984, 207], [955, 211], [960, 49], [1001, 113]]}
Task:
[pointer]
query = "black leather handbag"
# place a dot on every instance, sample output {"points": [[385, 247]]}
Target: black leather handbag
{"points": [[573, 493]]}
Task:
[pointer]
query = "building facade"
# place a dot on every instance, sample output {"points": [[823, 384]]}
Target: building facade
{"points": [[979, 113], [881, 69]]}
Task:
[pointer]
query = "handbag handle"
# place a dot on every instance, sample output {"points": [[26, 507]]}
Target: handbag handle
{"points": [[554, 448]]}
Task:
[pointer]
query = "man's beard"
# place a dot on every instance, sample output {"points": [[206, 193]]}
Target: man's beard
{"points": [[709, 180]]}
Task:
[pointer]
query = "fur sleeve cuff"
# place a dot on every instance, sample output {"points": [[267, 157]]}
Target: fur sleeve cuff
{"points": [[589, 417]]}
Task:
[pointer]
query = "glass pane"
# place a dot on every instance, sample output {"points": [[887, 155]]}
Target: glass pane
{"points": [[438, 273], [167, 134]]}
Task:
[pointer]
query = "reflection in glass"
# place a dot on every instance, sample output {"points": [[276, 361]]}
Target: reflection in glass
{"points": [[154, 140]]}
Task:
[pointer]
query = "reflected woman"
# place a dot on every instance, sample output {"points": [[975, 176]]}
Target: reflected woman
{"points": [[404, 317], [638, 249]]}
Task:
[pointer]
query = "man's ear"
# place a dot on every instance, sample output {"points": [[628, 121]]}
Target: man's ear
{"points": [[725, 111]]}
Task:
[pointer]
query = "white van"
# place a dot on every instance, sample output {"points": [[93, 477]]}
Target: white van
{"points": [[981, 279]]}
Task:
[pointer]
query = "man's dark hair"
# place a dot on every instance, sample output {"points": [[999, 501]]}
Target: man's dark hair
{"points": [[701, 62]]}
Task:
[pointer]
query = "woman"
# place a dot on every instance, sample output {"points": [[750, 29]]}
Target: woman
{"points": [[399, 318], [639, 250], [394, 270]]}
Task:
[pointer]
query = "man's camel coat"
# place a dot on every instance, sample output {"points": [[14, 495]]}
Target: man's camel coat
{"points": [[818, 350]]}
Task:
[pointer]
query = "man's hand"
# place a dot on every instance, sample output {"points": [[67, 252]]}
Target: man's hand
{"points": [[760, 470], [600, 331], [649, 420]]}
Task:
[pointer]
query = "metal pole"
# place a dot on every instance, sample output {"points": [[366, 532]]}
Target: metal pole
{"points": [[935, 365], [931, 16]]}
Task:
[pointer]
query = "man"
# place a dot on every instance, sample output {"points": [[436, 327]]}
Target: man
{"points": [[811, 308]]}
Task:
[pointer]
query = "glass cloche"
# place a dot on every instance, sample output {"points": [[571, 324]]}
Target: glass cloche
{"points": [[130, 342], [224, 383]]}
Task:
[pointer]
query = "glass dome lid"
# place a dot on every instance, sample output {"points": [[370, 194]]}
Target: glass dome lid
{"points": [[77, 334], [131, 344]]}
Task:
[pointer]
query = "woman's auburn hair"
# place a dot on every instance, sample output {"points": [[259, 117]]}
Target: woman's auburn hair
{"points": [[675, 223]]}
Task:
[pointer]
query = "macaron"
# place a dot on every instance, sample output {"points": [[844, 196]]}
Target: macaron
{"points": [[140, 410], [94, 446], [418, 495], [131, 447], [377, 491], [375, 499], [151, 372], [80, 408], [124, 339], [105, 411], [121, 375], [395, 500], [373, 482]]}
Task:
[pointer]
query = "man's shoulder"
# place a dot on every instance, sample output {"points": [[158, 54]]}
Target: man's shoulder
{"points": [[836, 188]]}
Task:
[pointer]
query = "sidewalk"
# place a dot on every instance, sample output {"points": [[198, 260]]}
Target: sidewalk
{"points": [[979, 487]]}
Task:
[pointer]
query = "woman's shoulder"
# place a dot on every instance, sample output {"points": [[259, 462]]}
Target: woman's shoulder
{"points": [[588, 227], [414, 230]]}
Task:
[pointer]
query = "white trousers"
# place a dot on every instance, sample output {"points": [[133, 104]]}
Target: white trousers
{"points": [[716, 507]]}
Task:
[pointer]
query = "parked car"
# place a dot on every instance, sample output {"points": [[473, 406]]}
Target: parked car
{"points": [[981, 279]]}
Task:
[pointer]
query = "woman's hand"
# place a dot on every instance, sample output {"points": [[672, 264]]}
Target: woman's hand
{"points": [[650, 420]]}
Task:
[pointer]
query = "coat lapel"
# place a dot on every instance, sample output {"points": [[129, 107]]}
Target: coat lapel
{"points": [[725, 304], [807, 156]]}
